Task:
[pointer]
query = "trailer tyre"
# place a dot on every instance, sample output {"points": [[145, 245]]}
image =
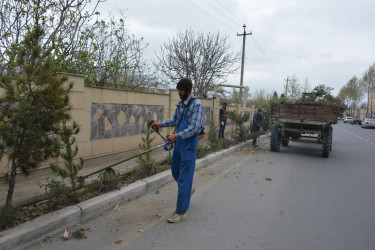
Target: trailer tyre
{"points": [[327, 141], [275, 138]]}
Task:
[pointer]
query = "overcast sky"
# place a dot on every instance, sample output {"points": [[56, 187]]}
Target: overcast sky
{"points": [[326, 42]]}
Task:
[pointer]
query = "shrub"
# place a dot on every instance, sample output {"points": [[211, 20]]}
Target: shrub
{"points": [[10, 217], [202, 151], [266, 123], [108, 180], [57, 193], [213, 139], [169, 158], [241, 130], [225, 143]]}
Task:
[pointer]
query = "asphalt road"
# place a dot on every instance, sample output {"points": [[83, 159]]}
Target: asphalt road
{"points": [[293, 199]]}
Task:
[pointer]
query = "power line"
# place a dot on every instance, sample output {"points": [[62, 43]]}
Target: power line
{"points": [[210, 16], [267, 65], [256, 42], [251, 49], [267, 62], [261, 50], [220, 12], [270, 65], [266, 57], [226, 9]]}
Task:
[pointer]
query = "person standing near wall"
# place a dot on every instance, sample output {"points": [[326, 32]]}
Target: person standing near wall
{"points": [[257, 123], [223, 116], [188, 119]]}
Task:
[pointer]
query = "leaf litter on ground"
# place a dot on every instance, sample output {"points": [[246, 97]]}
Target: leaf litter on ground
{"points": [[79, 234]]}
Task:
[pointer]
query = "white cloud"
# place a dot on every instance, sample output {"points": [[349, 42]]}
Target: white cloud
{"points": [[326, 41]]}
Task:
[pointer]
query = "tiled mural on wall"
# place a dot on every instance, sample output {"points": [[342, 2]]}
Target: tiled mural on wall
{"points": [[119, 120]]}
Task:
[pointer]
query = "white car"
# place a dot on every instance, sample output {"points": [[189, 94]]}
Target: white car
{"points": [[368, 123], [348, 119]]}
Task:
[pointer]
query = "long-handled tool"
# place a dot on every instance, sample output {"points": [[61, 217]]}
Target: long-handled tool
{"points": [[127, 159], [166, 145]]}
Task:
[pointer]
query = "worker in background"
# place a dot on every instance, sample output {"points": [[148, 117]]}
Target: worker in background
{"points": [[257, 123], [223, 116]]}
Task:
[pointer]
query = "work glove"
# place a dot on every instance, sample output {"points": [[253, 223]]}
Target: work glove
{"points": [[222, 123]]}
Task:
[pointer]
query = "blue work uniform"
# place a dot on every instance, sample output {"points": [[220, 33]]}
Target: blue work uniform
{"points": [[183, 165], [191, 114]]}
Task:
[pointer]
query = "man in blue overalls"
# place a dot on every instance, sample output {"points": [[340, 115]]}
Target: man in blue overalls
{"points": [[188, 119]]}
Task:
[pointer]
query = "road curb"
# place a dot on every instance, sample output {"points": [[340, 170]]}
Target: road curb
{"points": [[27, 233], [102, 203], [157, 180]]}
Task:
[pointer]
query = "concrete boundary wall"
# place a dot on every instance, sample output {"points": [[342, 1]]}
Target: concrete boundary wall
{"points": [[118, 118]]}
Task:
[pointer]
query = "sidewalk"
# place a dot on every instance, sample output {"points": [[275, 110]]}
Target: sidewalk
{"points": [[28, 187], [25, 234]]}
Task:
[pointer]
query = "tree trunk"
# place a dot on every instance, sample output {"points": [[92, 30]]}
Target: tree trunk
{"points": [[12, 183], [372, 114], [368, 102]]}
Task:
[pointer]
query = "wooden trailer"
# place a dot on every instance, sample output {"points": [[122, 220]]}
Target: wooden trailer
{"points": [[305, 122]]}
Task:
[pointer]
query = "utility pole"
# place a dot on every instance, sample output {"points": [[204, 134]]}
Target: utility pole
{"points": [[286, 89], [243, 57]]}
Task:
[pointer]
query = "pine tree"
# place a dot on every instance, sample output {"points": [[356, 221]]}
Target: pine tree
{"points": [[71, 169], [34, 105], [241, 130], [146, 161]]}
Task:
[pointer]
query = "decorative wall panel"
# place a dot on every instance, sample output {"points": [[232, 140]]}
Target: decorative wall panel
{"points": [[119, 120]]}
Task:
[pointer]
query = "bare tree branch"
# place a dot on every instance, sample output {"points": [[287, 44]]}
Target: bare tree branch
{"points": [[206, 59]]}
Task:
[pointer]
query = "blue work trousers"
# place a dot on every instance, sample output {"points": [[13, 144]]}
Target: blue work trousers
{"points": [[183, 172]]}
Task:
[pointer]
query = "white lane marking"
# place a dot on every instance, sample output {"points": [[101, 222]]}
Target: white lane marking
{"points": [[355, 135]]}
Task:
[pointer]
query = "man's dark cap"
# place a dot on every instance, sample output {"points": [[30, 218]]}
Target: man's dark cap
{"points": [[259, 110], [185, 84]]}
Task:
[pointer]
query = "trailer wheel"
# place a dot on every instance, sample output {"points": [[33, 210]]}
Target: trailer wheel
{"points": [[275, 142], [327, 141], [285, 143]]}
